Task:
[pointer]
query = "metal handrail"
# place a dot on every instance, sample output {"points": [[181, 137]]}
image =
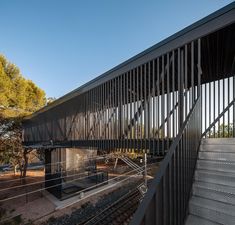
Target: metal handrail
{"points": [[157, 206], [208, 129]]}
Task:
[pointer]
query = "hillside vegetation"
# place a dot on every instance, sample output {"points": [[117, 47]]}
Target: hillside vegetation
{"points": [[18, 97]]}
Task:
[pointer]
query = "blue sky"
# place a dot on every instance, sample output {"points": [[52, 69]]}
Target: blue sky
{"points": [[61, 45]]}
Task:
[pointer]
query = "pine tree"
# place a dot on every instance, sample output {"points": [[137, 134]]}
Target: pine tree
{"points": [[18, 97]]}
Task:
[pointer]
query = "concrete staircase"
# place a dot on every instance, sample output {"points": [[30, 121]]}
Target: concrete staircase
{"points": [[213, 199]]}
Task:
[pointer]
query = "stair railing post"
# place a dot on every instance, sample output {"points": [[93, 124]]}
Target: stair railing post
{"points": [[145, 169], [180, 88]]}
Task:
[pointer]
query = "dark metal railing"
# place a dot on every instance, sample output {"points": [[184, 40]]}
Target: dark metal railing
{"points": [[218, 108], [166, 201], [139, 110]]}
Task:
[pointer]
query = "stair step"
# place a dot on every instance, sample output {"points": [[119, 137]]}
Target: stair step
{"points": [[218, 141], [220, 195], [213, 200], [216, 165], [216, 177], [218, 148], [195, 220], [212, 210], [217, 187], [218, 156]]}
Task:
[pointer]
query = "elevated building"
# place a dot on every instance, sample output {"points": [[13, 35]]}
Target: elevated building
{"points": [[163, 101]]}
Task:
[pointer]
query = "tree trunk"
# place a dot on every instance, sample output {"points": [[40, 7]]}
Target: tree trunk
{"points": [[25, 166], [14, 170]]}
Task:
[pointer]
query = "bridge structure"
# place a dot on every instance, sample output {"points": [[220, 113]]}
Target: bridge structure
{"points": [[162, 102]]}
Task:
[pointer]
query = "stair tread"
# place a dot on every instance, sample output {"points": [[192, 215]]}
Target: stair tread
{"points": [[218, 141], [212, 155], [215, 187], [214, 194], [218, 162], [214, 165], [217, 153], [210, 214], [196, 220], [217, 148], [217, 177], [219, 173], [217, 206]]}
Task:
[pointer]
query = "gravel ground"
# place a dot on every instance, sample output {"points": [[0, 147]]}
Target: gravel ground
{"points": [[88, 209]]}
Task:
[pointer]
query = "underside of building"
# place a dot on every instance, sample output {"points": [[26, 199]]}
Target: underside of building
{"points": [[162, 102]]}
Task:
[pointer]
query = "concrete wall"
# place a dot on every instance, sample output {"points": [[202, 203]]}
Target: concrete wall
{"points": [[79, 158], [69, 159]]}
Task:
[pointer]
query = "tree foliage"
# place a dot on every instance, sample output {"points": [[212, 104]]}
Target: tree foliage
{"points": [[17, 94], [18, 97], [50, 100], [224, 130]]}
